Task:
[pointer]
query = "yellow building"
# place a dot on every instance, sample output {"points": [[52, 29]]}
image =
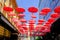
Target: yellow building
{"points": [[9, 3]]}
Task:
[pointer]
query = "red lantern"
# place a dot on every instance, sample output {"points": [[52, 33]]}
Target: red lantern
{"points": [[57, 9], [55, 15], [7, 9], [20, 10], [46, 10], [32, 9], [21, 15]]}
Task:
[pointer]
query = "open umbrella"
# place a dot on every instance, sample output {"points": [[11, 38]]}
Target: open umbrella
{"points": [[55, 15], [20, 10]]}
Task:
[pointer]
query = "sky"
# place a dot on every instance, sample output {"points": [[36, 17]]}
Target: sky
{"points": [[26, 4], [43, 3]]}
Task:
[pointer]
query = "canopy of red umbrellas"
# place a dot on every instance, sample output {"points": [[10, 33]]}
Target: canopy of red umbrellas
{"points": [[39, 29]]}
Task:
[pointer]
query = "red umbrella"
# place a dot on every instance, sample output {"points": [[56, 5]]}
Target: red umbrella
{"points": [[46, 30], [47, 24], [51, 20], [31, 27], [20, 10], [33, 16], [9, 9], [41, 20], [21, 31], [43, 13], [42, 28], [57, 9], [18, 25], [32, 9], [32, 21], [15, 20], [23, 20], [54, 15], [39, 34], [37, 28], [24, 26], [11, 14], [21, 15], [46, 10]]}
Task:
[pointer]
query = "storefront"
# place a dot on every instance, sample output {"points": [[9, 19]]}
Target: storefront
{"points": [[7, 30]]}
